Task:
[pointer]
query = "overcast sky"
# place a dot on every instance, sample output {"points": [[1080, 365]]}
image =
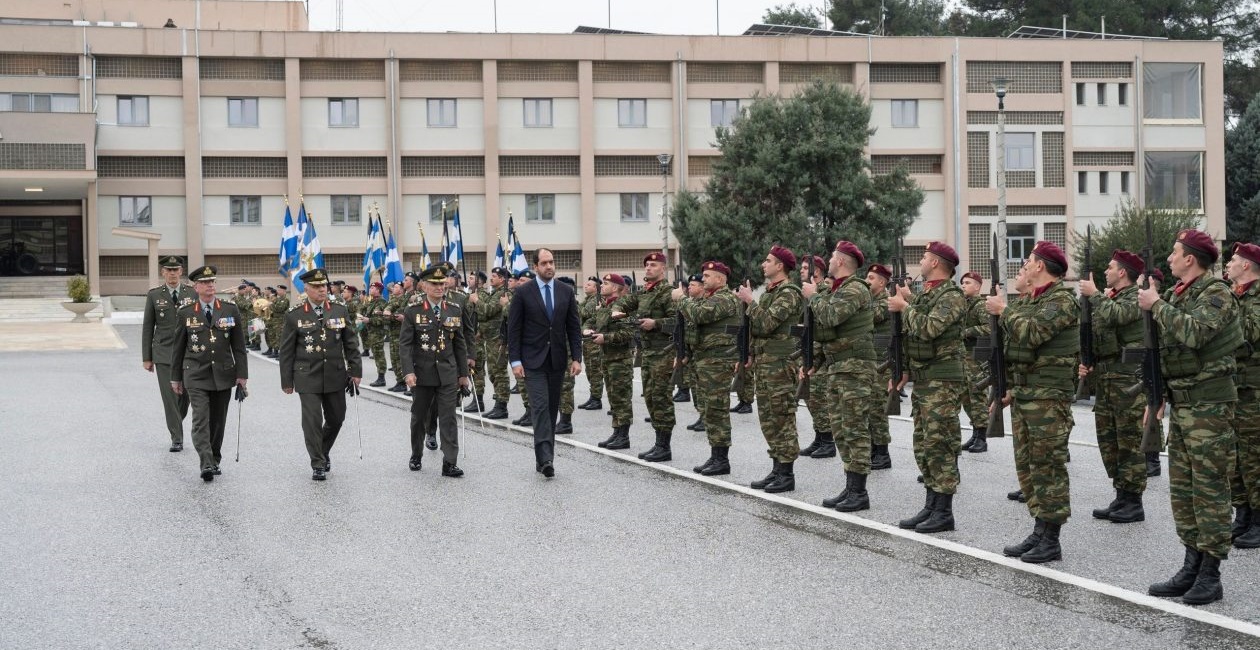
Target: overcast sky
{"points": [[658, 16]]}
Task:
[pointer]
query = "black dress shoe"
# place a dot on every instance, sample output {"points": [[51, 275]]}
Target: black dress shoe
{"points": [[430, 441], [407, 392], [207, 474], [516, 389], [216, 471], [414, 464], [547, 469], [452, 470], [318, 475], [398, 388], [177, 446]]}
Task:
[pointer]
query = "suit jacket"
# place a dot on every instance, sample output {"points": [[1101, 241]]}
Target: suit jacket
{"points": [[537, 342], [157, 335], [210, 354], [435, 350], [318, 354]]}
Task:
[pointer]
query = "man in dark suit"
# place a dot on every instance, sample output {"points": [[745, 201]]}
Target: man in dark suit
{"points": [[157, 338], [434, 354], [543, 333], [319, 357], [208, 359]]}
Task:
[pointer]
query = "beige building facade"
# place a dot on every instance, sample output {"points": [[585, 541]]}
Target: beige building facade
{"points": [[198, 135]]}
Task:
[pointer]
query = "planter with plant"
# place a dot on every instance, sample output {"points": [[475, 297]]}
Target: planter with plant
{"points": [[80, 294]]}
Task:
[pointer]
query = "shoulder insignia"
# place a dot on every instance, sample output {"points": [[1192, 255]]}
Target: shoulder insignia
{"points": [[1216, 302]]}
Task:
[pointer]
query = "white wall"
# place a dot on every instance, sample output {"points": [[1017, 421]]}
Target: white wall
{"points": [[930, 134], [657, 136], [317, 136], [467, 134], [268, 136], [165, 131], [699, 134], [168, 221], [610, 230], [1094, 204], [565, 232], [472, 220], [219, 233], [1175, 137], [562, 135], [340, 234], [931, 222]]}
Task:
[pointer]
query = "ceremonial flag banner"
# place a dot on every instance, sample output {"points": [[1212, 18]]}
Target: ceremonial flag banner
{"points": [[424, 251], [309, 255], [288, 244], [374, 252], [393, 263], [499, 259], [455, 247]]}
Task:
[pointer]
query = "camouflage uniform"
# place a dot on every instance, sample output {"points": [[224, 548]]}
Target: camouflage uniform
{"points": [[933, 324], [843, 323], [592, 354], [772, 347], [1200, 330], [397, 304], [1246, 482], [377, 331], [275, 323], [876, 415], [656, 349], [975, 400], [246, 304], [714, 354], [1118, 417], [618, 363], [748, 394], [490, 348]]}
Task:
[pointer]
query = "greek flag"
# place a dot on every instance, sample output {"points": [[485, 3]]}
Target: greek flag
{"points": [[309, 255], [424, 251], [499, 260], [374, 252], [455, 245], [393, 263], [288, 244], [517, 261]]}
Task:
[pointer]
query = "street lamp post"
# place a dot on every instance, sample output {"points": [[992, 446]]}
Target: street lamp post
{"points": [[664, 159], [999, 88]]}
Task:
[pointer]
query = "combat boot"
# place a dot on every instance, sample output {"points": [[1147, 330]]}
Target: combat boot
{"points": [[718, 464], [979, 442], [921, 516], [1183, 580], [682, 395], [1242, 521], [1047, 549], [826, 447], [565, 425], [1152, 463], [499, 412], [880, 459], [813, 446], [1017, 550], [526, 419], [857, 499], [1129, 510], [1207, 586], [942, 517], [380, 381], [398, 388], [660, 452], [743, 408], [1017, 495], [615, 440], [1105, 513], [844, 494], [1249, 539], [784, 482], [698, 425], [475, 405], [592, 404], [966, 446], [761, 484]]}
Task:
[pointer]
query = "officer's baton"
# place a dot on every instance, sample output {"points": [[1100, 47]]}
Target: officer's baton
{"points": [[241, 393], [358, 413]]}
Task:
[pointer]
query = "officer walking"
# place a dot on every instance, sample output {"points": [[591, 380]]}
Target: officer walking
{"points": [[157, 338]]}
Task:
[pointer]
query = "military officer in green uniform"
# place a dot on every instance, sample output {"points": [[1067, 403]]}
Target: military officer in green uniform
{"points": [[615, 336], [592, 354], [565, 423], [714, 353], [275, 323], [157, 335], [376, 330], [489, 315], [975, 398], [878, 276], [1200, 329], [398, 301], [244, 301], [695, 290], [319, 358], [653, 309], [491, 310], [772, 349], [1042, 343], [435, 366], [208, 360], [824, 444], [1244, 271], [933, 323]]}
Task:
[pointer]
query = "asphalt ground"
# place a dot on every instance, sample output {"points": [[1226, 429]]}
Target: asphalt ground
{"points": [[109, 541]]}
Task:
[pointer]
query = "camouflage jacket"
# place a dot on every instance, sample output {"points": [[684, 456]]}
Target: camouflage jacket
{"points": [[1195, 321], [708, 318], [656, 303], [771, 319], [279, 307], [1042, 342], [976, 324], [246, 306], [618, 334], [586, 311], [374, 310], [1117, 325], [846, 311], [933, 324], [489, 312], [1248, 356]]}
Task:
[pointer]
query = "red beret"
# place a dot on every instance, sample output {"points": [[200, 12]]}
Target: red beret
{"points": [[851, 249], [714, 265], [615, 278], [1250, 252], [943, 251], [378, 285], [656, 256], [786, 256], [1129, 260], [1158, 275], [880, 269], [974, 276], [1199, 241], [820, 263], [352, 289], [1050, 252]]}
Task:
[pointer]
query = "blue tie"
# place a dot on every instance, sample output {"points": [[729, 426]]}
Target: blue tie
{"points": [[547, 300]]}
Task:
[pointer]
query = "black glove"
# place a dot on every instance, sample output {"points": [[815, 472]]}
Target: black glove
{"points": [[351, 389], [241, 393], [464, 391]]}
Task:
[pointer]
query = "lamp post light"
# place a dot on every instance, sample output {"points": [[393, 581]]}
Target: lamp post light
{"points": [[664, 159], [999, 88]]}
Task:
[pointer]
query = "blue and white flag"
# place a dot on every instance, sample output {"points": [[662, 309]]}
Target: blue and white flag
{"points": [[424, 251], [393, 263], [288, 244], [517, 253], [374, 252], [455, 246], [309, 254], [499, 258]]}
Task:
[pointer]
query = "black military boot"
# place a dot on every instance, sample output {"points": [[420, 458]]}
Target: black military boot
{"points": [[1152, 463], [618, 434], [499, 412], [742, 407], [698, 425], [516, 389], [1207, 586], [966, 445], [942, 517], [475, 405], [1129, 509], [1183, 580], [844, 494], [762, 483], [857, 499], [430, 441], [682, 395], [1047, 549], [813, 446], [922, 515], [1105, 513], [565, 425], [1017, 550], [979, 443], [1249, 539], [880, 459], [398, 388], [593, 404], [718, 463], [380, 381], [1242, 521], [826, 446], [526, 419], [1017, 495], [660, 452], [784, 482]]}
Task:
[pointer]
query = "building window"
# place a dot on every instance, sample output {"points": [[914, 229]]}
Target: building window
{"points": [[540, 208], [1080, 94], [1082, 183], [537, 112], [1020, 151], [1124, 183], [133, 110], [1172, 91], [345, 209], [1122, 94], [631, 112], [905, 113], [135, 211], [1102, 94], [245, 210], [442, 202], [1020, 240], [1174, 179], [442, 113], [242, 111], [38, 103], [634, 207], [722, 112], [343, 112], [1104, 181]]}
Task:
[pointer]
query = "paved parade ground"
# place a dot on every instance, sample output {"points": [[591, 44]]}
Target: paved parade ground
{"points": [[109, 541]]}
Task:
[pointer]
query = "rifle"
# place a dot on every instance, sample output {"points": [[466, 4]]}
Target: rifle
{"points": [[896, 370], [997, 355], [807, 338], [743, 343], [680, 337], [1087, 322], [1152, 373]]}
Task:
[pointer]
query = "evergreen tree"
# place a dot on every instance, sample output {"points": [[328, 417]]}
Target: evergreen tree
{"points": [[1127, 230], [1242, 177], [899, 17], [790, 14]]}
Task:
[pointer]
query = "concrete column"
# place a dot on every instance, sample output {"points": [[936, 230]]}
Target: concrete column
{"points": [[293, 129], [586, 163], [92, 241], [194, 220], [490, 129]]}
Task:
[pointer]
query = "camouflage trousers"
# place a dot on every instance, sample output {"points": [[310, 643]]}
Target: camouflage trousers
{"points": [[847, 390], [817, 403], [566, 391], [875, 410], [1201, 460], [1246, 484], [712, 395], [937, 430], [272, 335], [689, 376], [619, 378], [1041, 428], [658, 391], [593, 360], [497, 369], [776, 410], [1118, 421], [395, 358], [376, 344], [749, 393], [975, 401]]}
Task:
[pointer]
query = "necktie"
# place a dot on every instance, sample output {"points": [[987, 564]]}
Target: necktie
{"points": [[175, 295], [319, 312], [209, 313], [547, 300], [437, 311]]}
